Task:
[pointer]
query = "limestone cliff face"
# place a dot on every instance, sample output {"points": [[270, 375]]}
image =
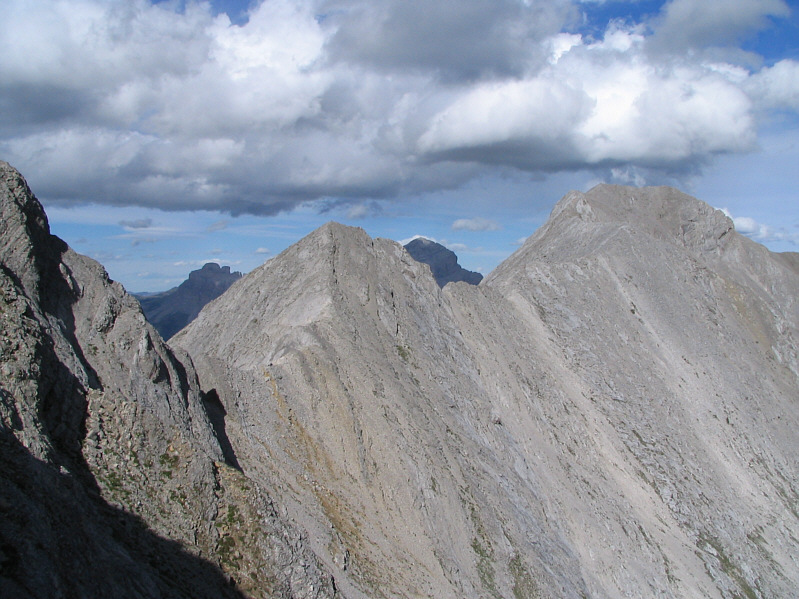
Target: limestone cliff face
{"points": [[112, 478], [611, 413]]}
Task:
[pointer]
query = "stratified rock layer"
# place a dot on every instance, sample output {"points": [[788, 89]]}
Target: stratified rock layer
{"points": [[611, 413], [112, 477]]}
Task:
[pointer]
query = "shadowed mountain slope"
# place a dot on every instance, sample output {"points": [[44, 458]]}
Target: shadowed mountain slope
{"points": [[112, 477], [442, 262], [611, 413], [172, 310]]}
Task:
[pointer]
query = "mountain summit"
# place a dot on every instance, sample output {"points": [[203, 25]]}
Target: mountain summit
{"points": [[442, 261], [610, 413]]}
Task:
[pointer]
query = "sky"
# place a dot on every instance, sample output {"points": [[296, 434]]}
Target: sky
{"points": [[163, 135]]}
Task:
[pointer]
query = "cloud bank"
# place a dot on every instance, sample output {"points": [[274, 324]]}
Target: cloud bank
{"points": [[126, 102]]}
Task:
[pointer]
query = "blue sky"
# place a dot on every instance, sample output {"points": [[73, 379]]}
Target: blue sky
{"points": [[160, 136]]}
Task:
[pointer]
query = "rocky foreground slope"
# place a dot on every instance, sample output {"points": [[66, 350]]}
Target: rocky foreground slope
{"points": [[611, 413], [113, 478]]}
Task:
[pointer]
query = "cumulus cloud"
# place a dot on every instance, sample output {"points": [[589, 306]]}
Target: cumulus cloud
{"points": [[453, 39], [761, 232], [689, 24], [776, 86], [127, 102], [475, 224]]}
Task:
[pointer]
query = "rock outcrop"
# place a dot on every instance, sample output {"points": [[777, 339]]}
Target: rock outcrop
{"points": [[172, 310], [113, 477], [611, 413], [442, 262]]}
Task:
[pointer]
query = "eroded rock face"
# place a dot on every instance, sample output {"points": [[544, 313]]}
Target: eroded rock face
{"points": [[611, 413], [172, 310], [113, 482]]}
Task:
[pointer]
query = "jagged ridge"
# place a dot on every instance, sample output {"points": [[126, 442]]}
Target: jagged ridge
{"points": [[611, 413], [112, 476], [594, 419]]}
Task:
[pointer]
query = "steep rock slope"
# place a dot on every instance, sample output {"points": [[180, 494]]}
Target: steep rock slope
{"points": [[612, 413], [684, 334], [172, 310], [442, 262], [112, 479]]}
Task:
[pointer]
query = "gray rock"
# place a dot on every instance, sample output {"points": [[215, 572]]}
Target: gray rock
{"points": [[442, 262], [112, 477], [611, 413], [172, 310]]}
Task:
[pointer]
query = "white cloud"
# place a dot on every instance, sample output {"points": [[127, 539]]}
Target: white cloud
{"points": [[216, 226], [761, 232], [599, 102], [538, 108], [475, 224], [691, 24], [776, 87], [263, 251], [139, 223], [357, 211], [129, 103]]}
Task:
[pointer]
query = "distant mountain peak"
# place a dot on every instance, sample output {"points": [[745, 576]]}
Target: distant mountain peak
{"points": [[442, 261], [172, 310]]}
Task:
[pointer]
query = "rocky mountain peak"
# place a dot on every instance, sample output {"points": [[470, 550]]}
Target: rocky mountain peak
{"points": [[442, 262], [616, 216], [611, 413], [25, 230], [115, 470], [172, 310], [209, 270]]}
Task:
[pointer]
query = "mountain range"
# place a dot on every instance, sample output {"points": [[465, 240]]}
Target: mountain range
{"points": [[169, 311], [612, 412]]}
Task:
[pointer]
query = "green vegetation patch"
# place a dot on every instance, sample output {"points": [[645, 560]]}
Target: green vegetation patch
{"points": [[404, 352], [524, 587]]}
